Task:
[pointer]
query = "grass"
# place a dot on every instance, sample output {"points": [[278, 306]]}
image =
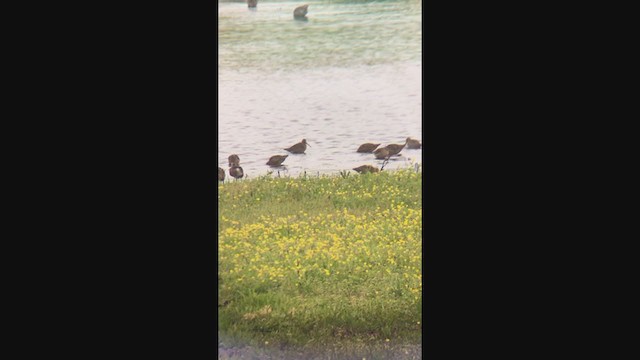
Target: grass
{"points": [[310, 261]]}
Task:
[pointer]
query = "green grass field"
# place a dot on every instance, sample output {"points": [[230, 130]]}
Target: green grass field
{"points": [[310, 261]]}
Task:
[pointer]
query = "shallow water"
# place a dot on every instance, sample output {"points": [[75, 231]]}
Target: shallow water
{"points": [[349, 74]]}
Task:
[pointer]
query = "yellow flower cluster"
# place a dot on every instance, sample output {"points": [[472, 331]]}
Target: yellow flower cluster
{"points": [[341, 246]]}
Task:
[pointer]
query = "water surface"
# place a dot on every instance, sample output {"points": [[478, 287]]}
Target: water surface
{"points": [[349, 74]]}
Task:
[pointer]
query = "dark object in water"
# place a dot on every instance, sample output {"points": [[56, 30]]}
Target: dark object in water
{"points": [[367, 148], [236, 172], [220, 174], [300, 12], [366, 169], [234, 160], [394, 149], [252, 3], [413, 144], [276, 160], [382, 153], [298, 148]]}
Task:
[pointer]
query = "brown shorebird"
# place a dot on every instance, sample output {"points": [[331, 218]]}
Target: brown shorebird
{"points": [[220, 174], [234, 160], [298, 148], [236, 172], [394, 149], [367, 148], [276, 160], [252, 3], [300, 11], [366, 169], [413, 144], [382, 153]]}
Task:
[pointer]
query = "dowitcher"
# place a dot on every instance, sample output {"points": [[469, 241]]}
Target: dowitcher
{"points": [[276, 160], [298, 148], [366, 169], [234, 160], [413, 144], [236, 172], [300, 11], [382, 153], [367, 148], [220, 174], [394, 149]]}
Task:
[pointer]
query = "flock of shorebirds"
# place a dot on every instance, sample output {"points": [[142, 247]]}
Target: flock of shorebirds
{"points": [[380, 153], [384, 153]]}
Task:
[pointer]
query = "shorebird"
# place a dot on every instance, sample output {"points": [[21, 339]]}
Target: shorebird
{"points": [[367, 148], [276, 160], [382, 153], [300, 11], [234, 160], [366, 169], [394, 149], [298, 148], [413, 144], [236, 172], [220, 174], [252, 3]]}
